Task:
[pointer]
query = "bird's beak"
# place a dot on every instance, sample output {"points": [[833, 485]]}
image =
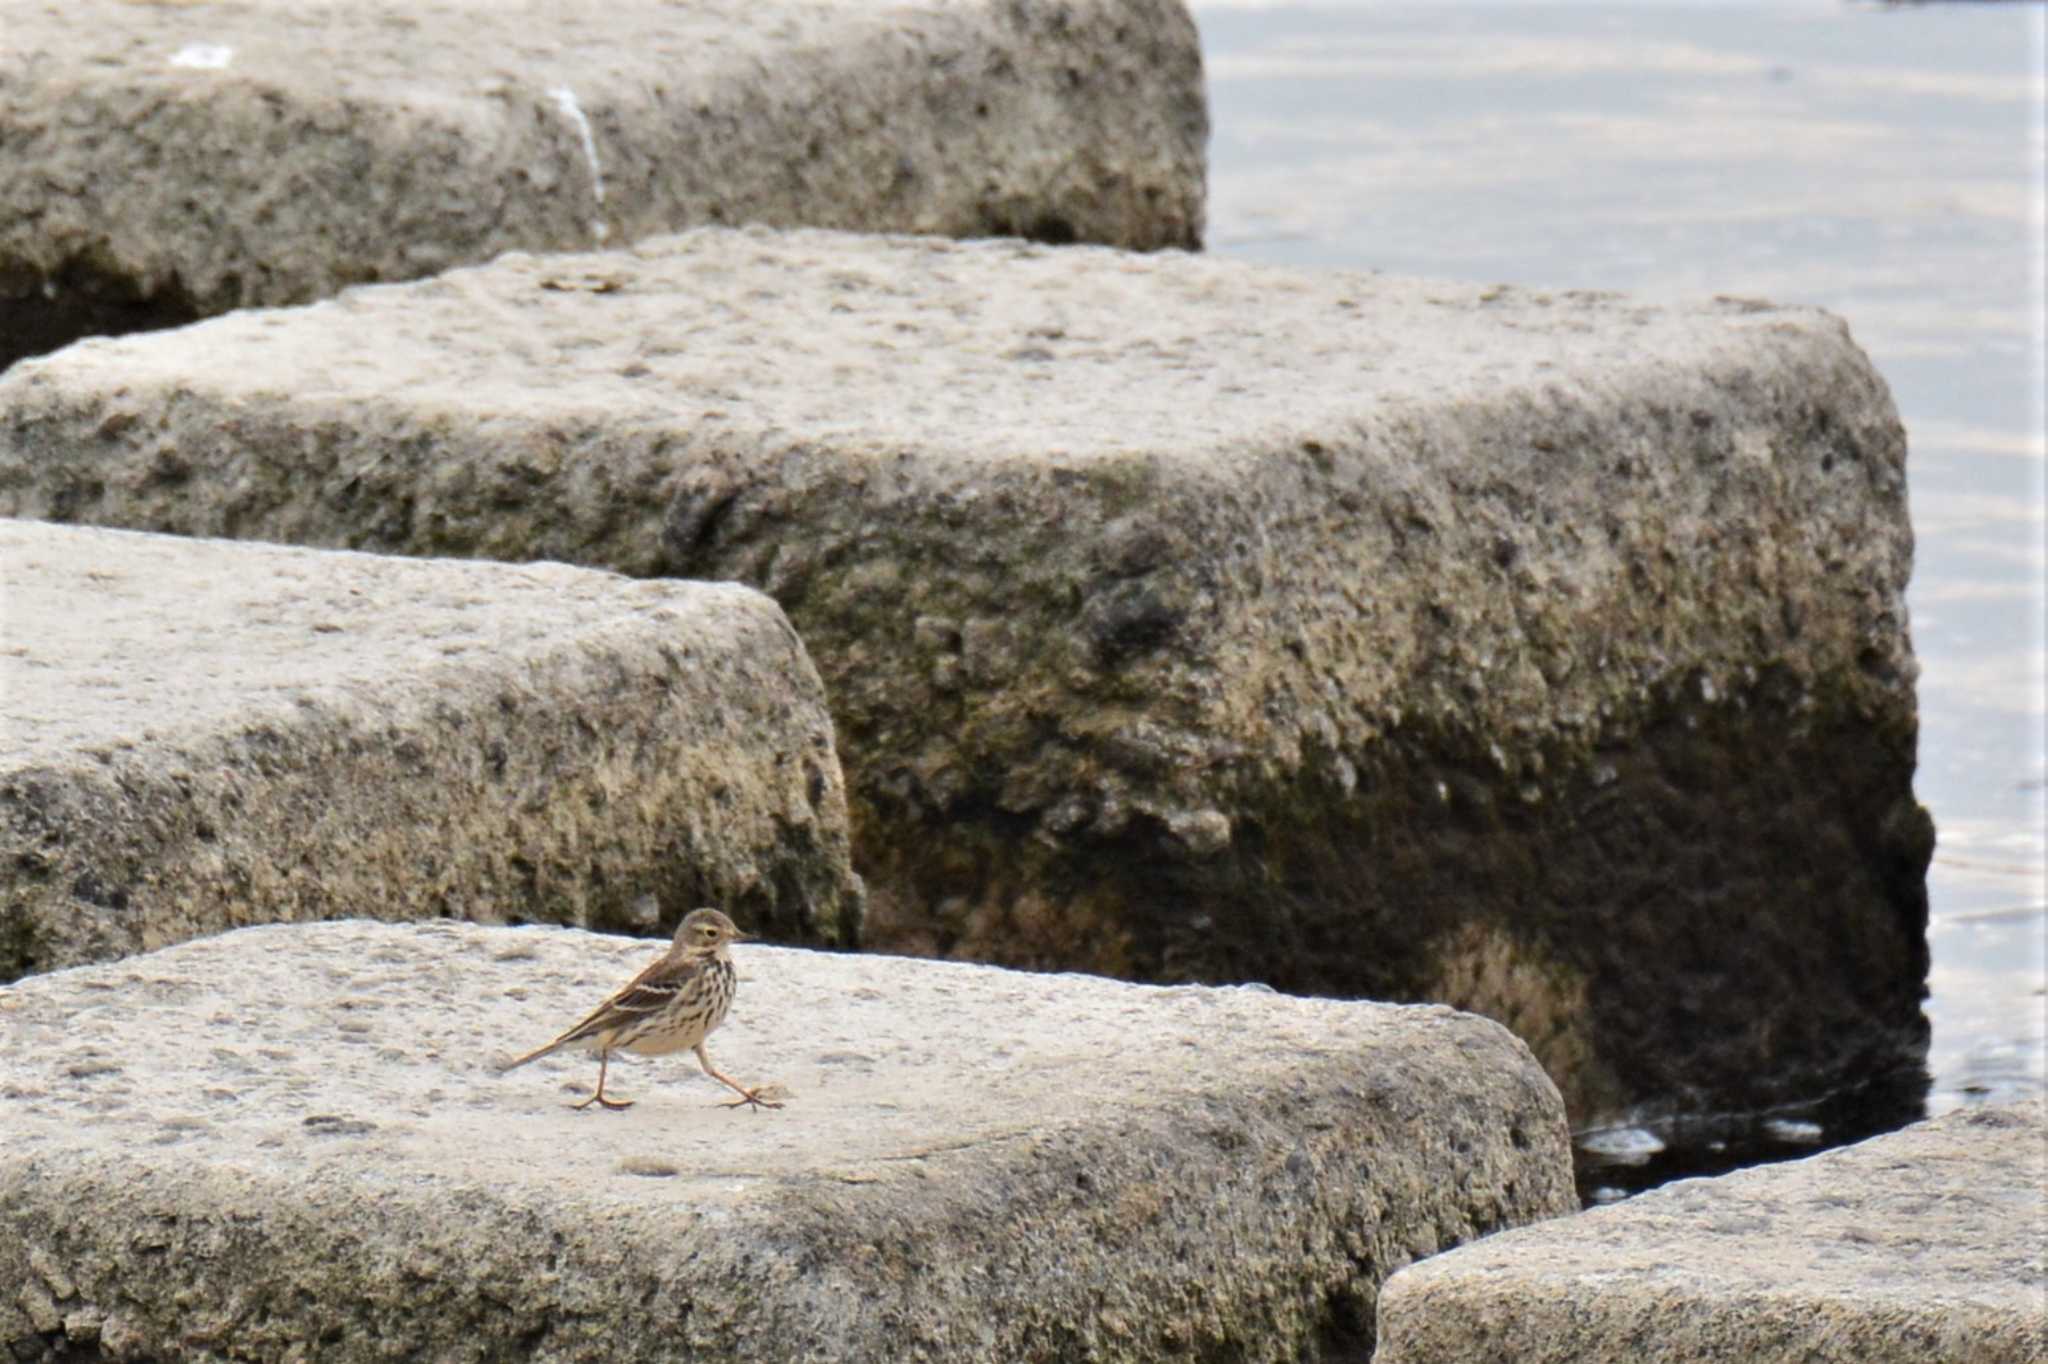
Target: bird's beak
{"points": [[739, 935]]}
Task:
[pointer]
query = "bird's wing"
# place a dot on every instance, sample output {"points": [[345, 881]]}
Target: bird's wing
{"points": [[649, 992]]}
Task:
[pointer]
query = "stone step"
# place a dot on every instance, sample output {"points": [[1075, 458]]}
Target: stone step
{"points": [[172, 161], [294, 1141], [1541, 653], [202, 734], [1927, 1244]]}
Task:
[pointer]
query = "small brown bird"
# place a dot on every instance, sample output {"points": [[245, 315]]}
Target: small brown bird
{"points": [[675, 1003]]}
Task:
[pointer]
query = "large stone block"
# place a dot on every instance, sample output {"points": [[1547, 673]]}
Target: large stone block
{"points": [[170, 161], [1541, 653], [292, 1142], [1927, 1244], [196, 735]]}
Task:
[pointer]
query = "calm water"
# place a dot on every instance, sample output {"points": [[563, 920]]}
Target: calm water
{"points": [[1880, 162]]}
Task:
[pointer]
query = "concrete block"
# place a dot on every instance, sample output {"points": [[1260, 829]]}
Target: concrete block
{"points": [[1544, 654], [172, 161], [293, 1142], [1926, 1244], [198, 735]]}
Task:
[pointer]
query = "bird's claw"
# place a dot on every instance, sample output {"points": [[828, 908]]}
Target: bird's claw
{"points": [[615, 1105], [750, 1098]]}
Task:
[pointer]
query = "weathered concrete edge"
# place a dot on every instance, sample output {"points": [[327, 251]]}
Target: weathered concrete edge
{"points": [[1801, 1325], [1455, 1308], [439, 812], [1060, 104], [344, 501], [765, 1287]]}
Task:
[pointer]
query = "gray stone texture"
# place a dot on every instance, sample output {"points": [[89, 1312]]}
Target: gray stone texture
{"points": [[1930, 1244], [196, 735], [293, 1142], [171, 161], [1545, 654]]}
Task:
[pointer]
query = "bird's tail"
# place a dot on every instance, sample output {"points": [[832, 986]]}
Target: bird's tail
{"points": [[534, 1055]]}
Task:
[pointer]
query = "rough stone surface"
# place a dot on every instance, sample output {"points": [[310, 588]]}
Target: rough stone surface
{"points": [[168, 161], [1928, 1244], [197, 735], [294, 1139], [1544, 654]]}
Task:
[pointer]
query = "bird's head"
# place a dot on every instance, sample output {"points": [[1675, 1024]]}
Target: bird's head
{"points": [[707, 930]]}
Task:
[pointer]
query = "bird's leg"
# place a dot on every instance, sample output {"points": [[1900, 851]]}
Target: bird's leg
{"points": [[604, 1059], [746, 1096]]}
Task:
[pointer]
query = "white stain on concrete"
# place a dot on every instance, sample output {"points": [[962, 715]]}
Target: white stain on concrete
{"points": [[565, 100], [203, 56]]}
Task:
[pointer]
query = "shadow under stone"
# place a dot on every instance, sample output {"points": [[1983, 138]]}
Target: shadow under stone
{"points": [[41, 314]]}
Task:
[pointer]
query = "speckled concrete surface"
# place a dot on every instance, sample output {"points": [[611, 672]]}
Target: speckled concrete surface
{"points": [[200, 734], [168, 158], [1927, 1244], [295, 1141]]}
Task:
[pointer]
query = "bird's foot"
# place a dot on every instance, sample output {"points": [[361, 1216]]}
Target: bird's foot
{"points": [[751, 1098], [615, 1105]]}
